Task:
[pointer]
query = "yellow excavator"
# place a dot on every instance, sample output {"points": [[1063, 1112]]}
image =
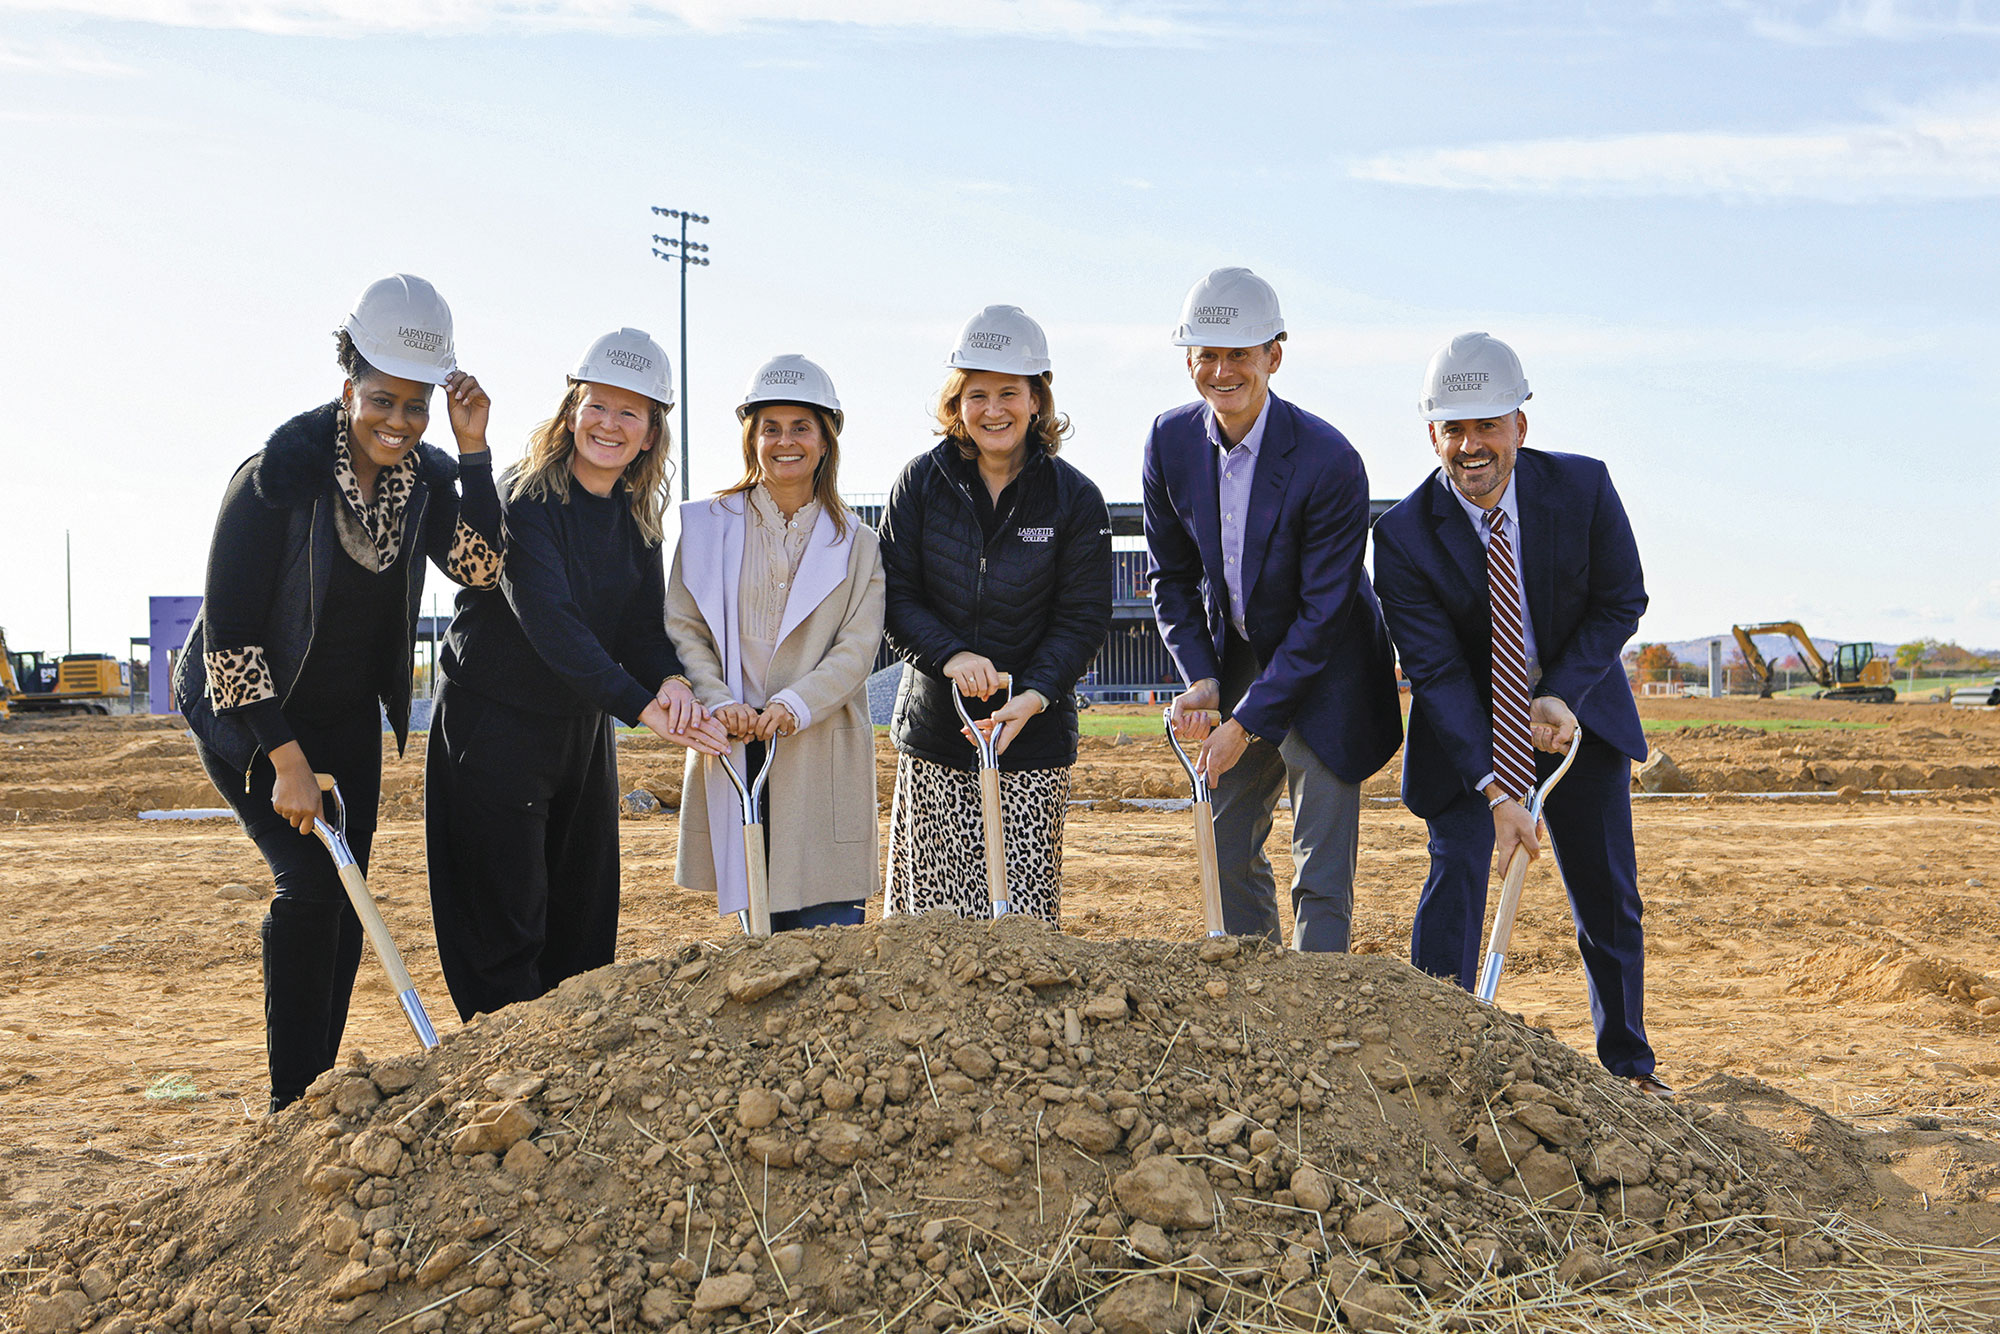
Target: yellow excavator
{"points": [[75, 683], [1855, 674]]}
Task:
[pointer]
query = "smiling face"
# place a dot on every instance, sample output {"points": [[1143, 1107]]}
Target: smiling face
{"points": [[1234, 380], [995, 409], [611, 427], [790, 446], [385, 419], [1479, 455]]}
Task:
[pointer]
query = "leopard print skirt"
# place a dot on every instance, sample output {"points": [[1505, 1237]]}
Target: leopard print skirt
{"points": [[937, 840]]}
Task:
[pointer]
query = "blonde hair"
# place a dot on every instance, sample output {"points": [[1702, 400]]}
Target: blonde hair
{"points": [[545, 470], [826, 475], [1047, 428]]}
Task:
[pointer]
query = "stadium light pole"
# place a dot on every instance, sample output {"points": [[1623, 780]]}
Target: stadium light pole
{"points": [[687, 252]]}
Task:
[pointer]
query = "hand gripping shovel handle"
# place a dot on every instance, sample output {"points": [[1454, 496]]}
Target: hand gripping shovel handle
{"points": [[1510, 888], [351, 879], [989, 800], [750, 798], [1204, 833]]}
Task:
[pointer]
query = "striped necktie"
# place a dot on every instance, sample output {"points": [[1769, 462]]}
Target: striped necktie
{"points": [[1513, 752]]}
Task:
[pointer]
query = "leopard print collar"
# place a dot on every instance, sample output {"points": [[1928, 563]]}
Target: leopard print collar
{"points": [[381, 524]]}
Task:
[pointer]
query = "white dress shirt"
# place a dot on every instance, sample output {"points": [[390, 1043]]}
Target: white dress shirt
{"points": [[1234, 476]]}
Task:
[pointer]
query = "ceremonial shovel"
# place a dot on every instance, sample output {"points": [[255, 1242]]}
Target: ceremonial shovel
{"points": [[756, 918], [989, 799], [1204, 834], [335, 838], [1510, 890]]}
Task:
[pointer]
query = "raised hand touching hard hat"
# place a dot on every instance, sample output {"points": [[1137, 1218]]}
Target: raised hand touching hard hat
{"points": [[402, 327], [1229, 308], [629, 359], [1003, 339], [1471, 378], [791, 379]]}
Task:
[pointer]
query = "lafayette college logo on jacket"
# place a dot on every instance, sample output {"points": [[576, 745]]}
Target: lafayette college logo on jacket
{"points": [[1037, 534]]}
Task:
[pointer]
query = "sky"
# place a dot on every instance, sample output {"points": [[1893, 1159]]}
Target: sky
{"points": [[1744, 248]]}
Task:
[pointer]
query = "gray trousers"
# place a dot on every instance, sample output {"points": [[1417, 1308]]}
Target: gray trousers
{"points": [[1326, 833]]}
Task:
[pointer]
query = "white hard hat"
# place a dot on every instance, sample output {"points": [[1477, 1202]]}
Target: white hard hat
{"points": [[1004, 339], [629, 359], [1473, 377], [1229, 308], [402, 327], [791, 379]]}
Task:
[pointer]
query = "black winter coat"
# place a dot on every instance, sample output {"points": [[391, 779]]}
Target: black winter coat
{"points": [[272, 558], [1036, 599]]}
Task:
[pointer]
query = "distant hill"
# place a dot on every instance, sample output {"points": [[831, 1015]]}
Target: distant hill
{"points": [[1775, 647]]}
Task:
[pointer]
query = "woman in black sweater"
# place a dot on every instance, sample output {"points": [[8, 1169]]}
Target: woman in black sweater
{"points": [[998, 560], [307, 628], [521, 779]]}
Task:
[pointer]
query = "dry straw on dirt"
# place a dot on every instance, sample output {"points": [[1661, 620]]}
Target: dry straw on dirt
{"points": [[937, 1125]]}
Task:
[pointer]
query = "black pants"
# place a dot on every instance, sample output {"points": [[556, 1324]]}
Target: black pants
{"points": [[521, 830], [311, 937], [846, 912]]}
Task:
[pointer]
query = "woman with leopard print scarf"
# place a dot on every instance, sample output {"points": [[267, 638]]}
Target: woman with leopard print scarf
{"points": [[998, 560], [307, 631]]}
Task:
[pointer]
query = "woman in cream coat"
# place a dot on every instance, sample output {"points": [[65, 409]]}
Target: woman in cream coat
{"points": [[775, 606]]}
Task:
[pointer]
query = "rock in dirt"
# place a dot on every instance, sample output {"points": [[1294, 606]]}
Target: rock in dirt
{"points": [[445, 1261], [1377, 1225], [1660, 774], [358, 1278], [641, 802], [1550, 1179], [757, 1108], [1617, 1162], [1088, 1131], [495, 1129], [525, 1161], [240, 892], [376, 1152], [1311, 1190], [1365, 1304], [721, 1292], [1148, 1240], [59, 1314], [1146, 1306], [1168, 1193], [755, 984], [1562, 1131]]}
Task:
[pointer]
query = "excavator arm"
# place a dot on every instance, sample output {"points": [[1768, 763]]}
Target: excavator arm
{"points": [[1793, 631]]}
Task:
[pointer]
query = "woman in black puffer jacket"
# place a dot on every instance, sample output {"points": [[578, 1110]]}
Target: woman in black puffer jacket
{"points": [[998, 560]]}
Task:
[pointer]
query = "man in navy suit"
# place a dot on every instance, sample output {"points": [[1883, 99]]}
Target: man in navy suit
{"points": [[1475, 623], [1256, 526]]}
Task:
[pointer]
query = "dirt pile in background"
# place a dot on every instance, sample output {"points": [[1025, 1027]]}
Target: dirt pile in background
{"points": [[936, 1125], [1815, 746]]}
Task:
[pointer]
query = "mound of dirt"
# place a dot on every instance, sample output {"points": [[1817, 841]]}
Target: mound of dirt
{"points": [[936, 1125]]}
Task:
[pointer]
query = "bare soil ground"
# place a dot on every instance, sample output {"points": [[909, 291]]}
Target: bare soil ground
{"points": [[1807, 951]]}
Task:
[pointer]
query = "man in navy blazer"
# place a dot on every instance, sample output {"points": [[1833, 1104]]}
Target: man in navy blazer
{"points": [[1256, 526], [1580, 579]]}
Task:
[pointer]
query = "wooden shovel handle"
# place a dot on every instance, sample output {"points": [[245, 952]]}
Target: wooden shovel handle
{"points": [[996, 846], [1211, 866], [759, 883]]}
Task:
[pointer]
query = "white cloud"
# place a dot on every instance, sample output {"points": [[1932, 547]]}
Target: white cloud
{"points": [[1072, 20], [60, 58], [1948, 149], [1822, 22]]}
